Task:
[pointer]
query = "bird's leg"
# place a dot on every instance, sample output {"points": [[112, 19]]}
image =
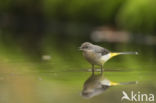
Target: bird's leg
{"points": [[101, 69], [92, 68]]}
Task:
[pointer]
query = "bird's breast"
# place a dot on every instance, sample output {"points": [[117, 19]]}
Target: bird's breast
{"points": [[92, 57]]}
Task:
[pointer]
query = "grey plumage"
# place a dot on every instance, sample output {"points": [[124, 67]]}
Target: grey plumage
{"points": [[97, 55], [93, 86], [95, 48], [101, 50]]}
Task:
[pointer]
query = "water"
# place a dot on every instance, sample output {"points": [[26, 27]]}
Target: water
{"points": [[63, 75], [67, 86]]}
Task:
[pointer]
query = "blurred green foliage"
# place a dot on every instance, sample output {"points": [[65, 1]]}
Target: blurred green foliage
{"points": [[138, 15], [133, 15], [83, 10], [34, 28]]}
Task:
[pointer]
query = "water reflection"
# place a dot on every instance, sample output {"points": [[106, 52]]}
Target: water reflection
{"points": [[96, 84]]}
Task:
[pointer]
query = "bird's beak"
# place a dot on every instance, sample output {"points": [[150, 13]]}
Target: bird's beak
{"points": [[80, 48]]}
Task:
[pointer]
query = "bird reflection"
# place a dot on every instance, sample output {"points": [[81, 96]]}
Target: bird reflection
{"points": [[97, 84]]}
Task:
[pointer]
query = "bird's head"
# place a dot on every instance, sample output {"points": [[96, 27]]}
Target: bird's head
{"points": [[86, 46]]}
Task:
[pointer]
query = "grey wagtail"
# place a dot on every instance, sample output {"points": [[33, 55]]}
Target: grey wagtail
{"points": [[97, 55], [97, 84]]}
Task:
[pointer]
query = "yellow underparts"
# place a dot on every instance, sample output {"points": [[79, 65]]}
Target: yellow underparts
{"points": [[113, 83], [114, 54]]}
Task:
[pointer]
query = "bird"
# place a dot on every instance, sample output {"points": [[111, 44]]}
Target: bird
{"points": [[96, 84], [97, 55]]}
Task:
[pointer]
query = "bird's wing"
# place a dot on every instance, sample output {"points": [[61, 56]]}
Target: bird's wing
{"points": [[101, 50]]}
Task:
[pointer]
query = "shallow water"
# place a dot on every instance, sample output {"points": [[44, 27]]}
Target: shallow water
{"points": [[67, 86], [63, 79]]}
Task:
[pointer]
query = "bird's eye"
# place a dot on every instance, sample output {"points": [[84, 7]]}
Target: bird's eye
{"points": [[86, 47]]}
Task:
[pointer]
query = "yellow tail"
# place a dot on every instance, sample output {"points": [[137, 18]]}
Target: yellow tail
{"points": [[124, 83], [114, 54], [119, 53], [114, 83]]}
